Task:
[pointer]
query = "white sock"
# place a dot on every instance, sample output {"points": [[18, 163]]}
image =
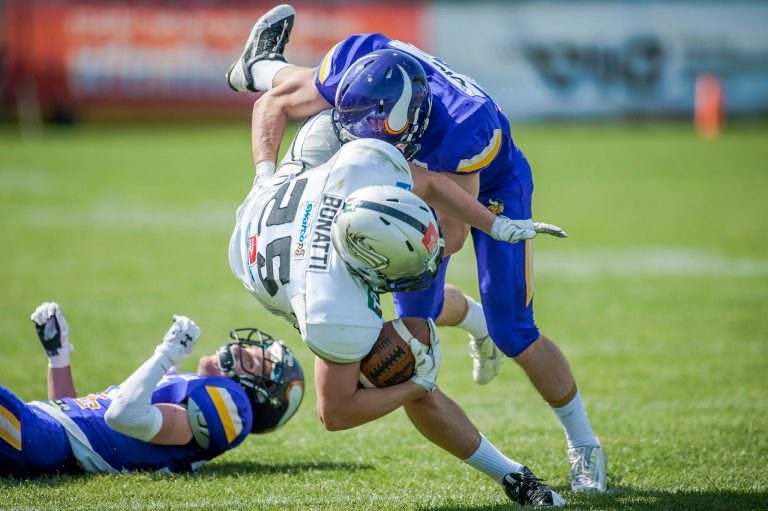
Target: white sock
{"points": [[264, 71], [574, 419], [488, 460], [474, 322]]}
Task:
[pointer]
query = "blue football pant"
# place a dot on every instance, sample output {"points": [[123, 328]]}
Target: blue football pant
{"points": [[504, 271], [31, 442]]}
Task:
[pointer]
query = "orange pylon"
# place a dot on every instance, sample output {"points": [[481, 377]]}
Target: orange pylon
{"points": [[708, 106]]}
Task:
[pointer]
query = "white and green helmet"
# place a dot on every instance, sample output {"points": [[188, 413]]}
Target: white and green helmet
{"points": [[389, 237]]}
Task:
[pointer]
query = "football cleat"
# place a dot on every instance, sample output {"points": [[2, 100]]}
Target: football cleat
{"points": [[266, 42], [486, 359], [588, 469], [528, 490]]}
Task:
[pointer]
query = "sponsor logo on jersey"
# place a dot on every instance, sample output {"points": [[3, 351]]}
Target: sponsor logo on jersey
{"points": [[320, 245], [430, 238], [373, 302], [404, 186], [301, 237], [252, 246], [89, 402], [60, 404], [496, 206]]}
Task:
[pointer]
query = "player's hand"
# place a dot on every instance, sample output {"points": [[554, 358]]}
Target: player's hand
{"points": [[427, 360], [53, 332], [512, 231], [180, 339]]}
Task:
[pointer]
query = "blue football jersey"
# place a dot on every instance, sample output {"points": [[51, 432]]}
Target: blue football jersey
{"points": [[218, 406], [467, 131]]}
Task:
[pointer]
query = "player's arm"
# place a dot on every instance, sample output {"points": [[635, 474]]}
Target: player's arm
{"points": [[342, 404], [294, 96], [132, 412], [53, 332], [454, 198]]}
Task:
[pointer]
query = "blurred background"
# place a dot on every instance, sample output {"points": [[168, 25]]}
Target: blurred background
{"points": [[123, 156], [68, 60]]}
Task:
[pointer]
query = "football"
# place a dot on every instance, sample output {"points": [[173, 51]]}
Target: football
{"points": [[390, 360]]}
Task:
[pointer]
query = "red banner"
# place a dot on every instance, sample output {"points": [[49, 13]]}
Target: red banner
{"points": [[93, 56]]}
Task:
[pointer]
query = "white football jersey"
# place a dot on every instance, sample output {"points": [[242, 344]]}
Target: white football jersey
{"points": [[281, 247]]}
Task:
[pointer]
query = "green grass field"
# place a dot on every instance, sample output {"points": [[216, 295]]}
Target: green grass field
{"points": [[659, 298]]}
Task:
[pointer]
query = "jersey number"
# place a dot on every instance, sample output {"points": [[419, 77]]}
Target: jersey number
{"points": [[280, 248]]}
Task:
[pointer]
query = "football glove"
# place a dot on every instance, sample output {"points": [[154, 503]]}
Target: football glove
{"points": [[53, 332], [427, 360], [512, 231], [179, 340]]}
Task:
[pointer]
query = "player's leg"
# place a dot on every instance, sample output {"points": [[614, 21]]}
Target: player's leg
{"points": [[31, 443], [262, 57], [427, 303], [506, 290], [462, 311], [442, 422], [12, 459]]}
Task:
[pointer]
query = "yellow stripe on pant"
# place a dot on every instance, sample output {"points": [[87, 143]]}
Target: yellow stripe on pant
{"points": [[227, 409], [10, 428]]}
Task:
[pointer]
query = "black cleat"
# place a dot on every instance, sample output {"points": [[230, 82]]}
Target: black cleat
{"points": [[266, 42], [528, 490]]}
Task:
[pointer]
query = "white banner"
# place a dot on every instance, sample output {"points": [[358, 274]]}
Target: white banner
{"points": [[563, 59]]}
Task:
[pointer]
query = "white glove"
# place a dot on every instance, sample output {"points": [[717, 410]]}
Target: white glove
{"points": [[512, 231], [427, 360], [53, 332], [179, 340]]}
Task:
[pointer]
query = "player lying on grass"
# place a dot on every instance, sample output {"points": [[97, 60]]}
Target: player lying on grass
{"points": [[445, 123], [317, 247], [156, 419]]}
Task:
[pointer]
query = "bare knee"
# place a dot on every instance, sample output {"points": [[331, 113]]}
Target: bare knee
{"points": [[454, 307]]}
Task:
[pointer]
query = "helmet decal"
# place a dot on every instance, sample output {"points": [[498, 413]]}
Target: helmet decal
{"points": [[430, 237], [384, 95], [356, 242], [294, 394], [397, 120]]}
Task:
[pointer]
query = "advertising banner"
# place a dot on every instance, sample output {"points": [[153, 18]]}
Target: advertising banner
{"points": [[537, 59], [603, 58], [90, 55]]}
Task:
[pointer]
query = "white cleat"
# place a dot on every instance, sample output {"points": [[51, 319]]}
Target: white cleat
{"points": [[486, 359], [588, 465], [266, 42]]}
